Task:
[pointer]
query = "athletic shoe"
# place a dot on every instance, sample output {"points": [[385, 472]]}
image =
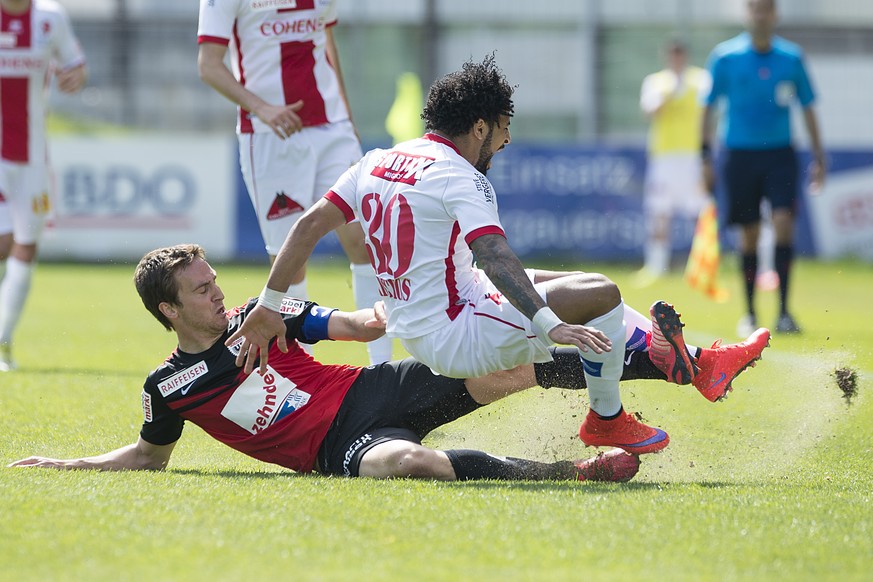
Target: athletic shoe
{"points": [[719, 365], [786, 324], [615, 465], [624, 432], [667, 350], [747, 325], [7, 364]]}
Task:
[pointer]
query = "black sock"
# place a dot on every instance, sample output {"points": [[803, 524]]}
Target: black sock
{"points": [[750, 274], [470, 464], [782, 259], [565, 370]]}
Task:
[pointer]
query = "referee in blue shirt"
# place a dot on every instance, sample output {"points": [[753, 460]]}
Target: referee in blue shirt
{"points": [[756, 77]]}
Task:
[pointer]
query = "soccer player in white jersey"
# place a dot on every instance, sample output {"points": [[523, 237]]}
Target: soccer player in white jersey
{"points": [[672, 98], [296, 135], [36, 42], [428, 210]]}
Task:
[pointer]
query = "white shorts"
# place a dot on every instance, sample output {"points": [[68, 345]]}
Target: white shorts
{"points": [[24, 200], [285, 177], [488, 335], [674, 185]]}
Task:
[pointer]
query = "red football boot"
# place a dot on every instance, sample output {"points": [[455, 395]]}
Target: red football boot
{"points": [[624, 432], [615, 465], [667, 350], [719, 365]]}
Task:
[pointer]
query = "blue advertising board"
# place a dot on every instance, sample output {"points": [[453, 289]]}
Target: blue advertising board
{"points": [[575, 203]]}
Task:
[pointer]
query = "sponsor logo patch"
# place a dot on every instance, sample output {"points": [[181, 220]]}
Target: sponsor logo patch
{"points": [[183, 380], [235, 346], [147, 406], [400, 167], [261, 401], [484, 186], [292, 306]]}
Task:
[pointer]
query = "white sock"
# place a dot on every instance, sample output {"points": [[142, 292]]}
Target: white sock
{"points": [[13, 293], [603, 371], [366, 292], [657, 257], [298, 291]]}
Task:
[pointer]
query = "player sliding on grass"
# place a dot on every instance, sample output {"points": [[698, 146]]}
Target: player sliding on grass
{"points": [[304, 415], [333, 419], [428, 210]]}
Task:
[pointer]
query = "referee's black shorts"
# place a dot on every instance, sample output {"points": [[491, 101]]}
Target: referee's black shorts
{"points": [[393, 401], [752, 175]]}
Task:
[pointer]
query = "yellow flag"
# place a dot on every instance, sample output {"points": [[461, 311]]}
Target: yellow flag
{"points": [[404, 118], [701, 272]]}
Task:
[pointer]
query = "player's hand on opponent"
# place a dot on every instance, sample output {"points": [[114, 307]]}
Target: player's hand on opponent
{"points": [[581, 336], [380, 317], [282, 119], [260, 326]]}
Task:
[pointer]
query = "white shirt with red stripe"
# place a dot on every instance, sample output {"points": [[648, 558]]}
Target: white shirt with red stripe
{"points": [[31, 44], [421, 205], [278, 53]]}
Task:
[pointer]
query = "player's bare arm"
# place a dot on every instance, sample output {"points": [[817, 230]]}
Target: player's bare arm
{"points": [[139, 456], [707, 132], [353, 326], [73, 79], [263, 322], [282, 119], [504, 269], [818, 166]]}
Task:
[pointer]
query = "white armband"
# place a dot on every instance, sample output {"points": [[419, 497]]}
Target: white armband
{"points": [[545, 321], [271, 299]]}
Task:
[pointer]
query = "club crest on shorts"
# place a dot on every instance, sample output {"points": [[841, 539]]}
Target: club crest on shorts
{"points": [[282, 206]]}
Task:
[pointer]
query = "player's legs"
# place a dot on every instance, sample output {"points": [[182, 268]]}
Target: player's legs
{"points": [[364, 285], [27, 202], [279, 177], [338, 148], [657, 209], [781, 189], [744, 181], [595, 301], [409, 459]]}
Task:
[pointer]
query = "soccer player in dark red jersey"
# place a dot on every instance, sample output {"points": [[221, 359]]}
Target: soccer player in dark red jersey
{"points": [[308, 416]]}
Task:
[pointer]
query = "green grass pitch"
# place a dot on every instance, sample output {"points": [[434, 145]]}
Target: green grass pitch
{"points": [[773, 484]]}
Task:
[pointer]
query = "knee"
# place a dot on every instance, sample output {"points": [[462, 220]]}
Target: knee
{"points": [[606, 291], [410, 460], [417, 462]]}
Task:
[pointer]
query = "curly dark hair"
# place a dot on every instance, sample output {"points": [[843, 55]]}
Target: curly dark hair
{"points": [[458, 100]]}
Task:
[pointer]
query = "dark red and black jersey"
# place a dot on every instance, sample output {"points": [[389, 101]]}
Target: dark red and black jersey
{"points": [[280, 417]]}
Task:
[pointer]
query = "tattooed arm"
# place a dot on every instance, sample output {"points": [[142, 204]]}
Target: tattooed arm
{"points": [[504, 269]]}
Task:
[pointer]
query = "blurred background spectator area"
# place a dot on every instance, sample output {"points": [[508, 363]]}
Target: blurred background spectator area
{"points": [[577, 63]]}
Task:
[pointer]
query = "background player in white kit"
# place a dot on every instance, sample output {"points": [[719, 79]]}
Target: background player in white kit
{"points": [[428, 209], [36, 41], [296, 136]]}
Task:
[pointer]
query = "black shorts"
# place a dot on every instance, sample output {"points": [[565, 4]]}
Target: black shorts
{"points": [[393, 401], [752, 175]]}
